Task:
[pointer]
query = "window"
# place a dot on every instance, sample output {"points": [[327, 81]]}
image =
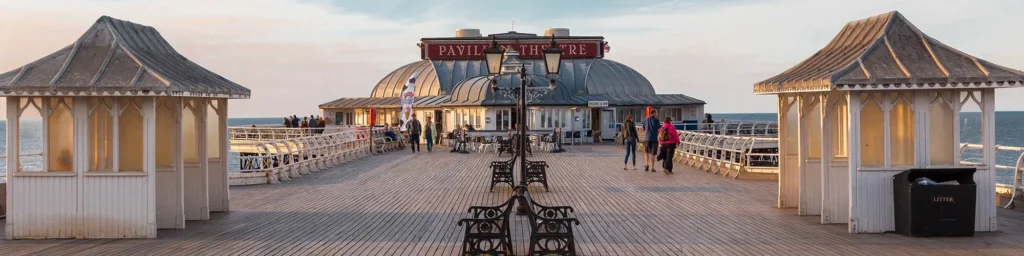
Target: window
{"points": [[813, 122], [191, 115], [60, 135], [166, 120], [212, 129], [940, 129], [872, 130], [840, 132], [901, 129], [558, 114], [972, 129], [101, 134], [545, 122], [791, 122], [129, 135], [31, 134], [479, 118]]}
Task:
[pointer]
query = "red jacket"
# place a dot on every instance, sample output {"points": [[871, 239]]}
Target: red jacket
{"points": [[673, 136]]}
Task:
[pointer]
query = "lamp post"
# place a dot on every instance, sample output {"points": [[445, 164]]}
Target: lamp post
{"points": [[497, 58]]}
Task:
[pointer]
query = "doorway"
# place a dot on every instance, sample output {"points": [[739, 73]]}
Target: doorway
{"points": [[439, 119], [607, 124]]}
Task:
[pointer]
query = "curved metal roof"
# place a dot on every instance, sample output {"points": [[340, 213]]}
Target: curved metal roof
{"points": [[477, 91], [116, 57], [578, 76]]}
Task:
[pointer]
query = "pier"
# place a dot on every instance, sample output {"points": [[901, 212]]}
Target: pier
{"points": [[138, 158], [399, 203]]}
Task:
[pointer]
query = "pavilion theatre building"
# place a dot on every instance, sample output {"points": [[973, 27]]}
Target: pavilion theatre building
{"points": [[591, 93]]}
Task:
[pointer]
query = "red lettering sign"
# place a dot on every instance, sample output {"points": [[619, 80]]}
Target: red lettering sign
{"points": [[448, 51]]}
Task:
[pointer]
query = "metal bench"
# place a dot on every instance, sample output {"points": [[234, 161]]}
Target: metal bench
{"points": [[501, 172], [550, 227], [505, 146], [537, 172], [488, 232]]}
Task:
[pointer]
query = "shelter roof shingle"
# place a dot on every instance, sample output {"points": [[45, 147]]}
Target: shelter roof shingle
{"points": [[887, 50], [117, 57]]}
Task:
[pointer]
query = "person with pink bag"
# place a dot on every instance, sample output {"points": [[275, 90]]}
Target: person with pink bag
{"points": [[668, 139]]}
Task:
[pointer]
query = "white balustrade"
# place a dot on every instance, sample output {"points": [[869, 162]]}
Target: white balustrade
{"points": [[282, 154]]}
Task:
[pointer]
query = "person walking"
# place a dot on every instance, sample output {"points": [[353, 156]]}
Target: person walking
{"points": [[415, 128], [295, 121], [650, 127], [668, 139], [437, 136], [287, 123], [312, 124], [429, 133], [629, 137]]}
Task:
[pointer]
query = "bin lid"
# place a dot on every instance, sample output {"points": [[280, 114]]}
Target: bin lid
{"points": [[962, 175]]}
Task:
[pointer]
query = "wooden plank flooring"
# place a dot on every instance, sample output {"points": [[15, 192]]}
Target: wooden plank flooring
{"points": [[408, 204]]}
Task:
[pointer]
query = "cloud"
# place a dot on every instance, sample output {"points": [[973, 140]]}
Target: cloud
{"points": [[295, 54]]}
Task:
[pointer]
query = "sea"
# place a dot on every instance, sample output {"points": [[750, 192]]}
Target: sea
{"points": [[1007, 123]]}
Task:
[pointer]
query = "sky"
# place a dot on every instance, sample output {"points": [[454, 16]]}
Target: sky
{"points": [[297, 54]]}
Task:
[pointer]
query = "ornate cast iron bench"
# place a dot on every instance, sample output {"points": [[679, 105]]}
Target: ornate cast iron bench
{"points": [[487, 232], [537, 172], [550, 227], [501, 172]]}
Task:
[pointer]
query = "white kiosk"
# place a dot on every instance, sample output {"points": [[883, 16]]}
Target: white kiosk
{"points": [[881, 98], [134, 138]]}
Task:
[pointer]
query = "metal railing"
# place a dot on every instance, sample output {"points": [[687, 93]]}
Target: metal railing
{"points": [[21, 163], [734, 147], [739, 128], [728, 155], [299, 154], [262, 133]]}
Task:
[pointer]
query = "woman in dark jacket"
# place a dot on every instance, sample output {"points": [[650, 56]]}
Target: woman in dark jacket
{"points": [[629, 138]]}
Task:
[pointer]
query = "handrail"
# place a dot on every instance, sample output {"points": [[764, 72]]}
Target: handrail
{"points": [[261, 133], [4, 167], [731, 155], [727, 155], [280, 159]]}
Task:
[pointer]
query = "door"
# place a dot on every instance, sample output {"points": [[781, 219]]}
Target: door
{"points": [[607, 124], [439, 118]]}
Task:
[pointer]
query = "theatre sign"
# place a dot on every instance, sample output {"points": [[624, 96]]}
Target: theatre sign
{"points": [[475, 50]]}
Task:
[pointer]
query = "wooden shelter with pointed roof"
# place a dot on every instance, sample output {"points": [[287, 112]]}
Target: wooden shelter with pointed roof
{"points": [[134, 137], [882, 97]]}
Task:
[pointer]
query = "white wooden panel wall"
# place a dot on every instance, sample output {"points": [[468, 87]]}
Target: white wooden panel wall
{"points": [[985, 210], [810, 169], [218, 171], [789, 167], [149, 161], [43, 207], [810, 187], [170, 207], [835, 190], [853, 127], [196, 198], [872, 197], [115, 207], [836, 193], [13, 122], [170, 202]]}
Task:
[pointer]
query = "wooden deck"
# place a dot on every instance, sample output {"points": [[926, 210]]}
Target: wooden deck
{"points": [[408, 204]]}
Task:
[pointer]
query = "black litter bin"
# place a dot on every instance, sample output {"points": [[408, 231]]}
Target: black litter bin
{"points": [[944, 206]]}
